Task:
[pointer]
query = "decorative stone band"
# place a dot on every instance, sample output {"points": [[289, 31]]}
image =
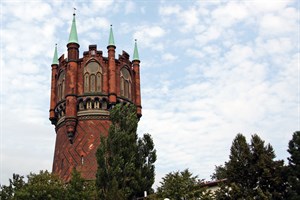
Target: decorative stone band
{"points": [[93, 112], [74, 95], [85, 115], [112, 93], [94, 106], [93, 117], [61, 120]]}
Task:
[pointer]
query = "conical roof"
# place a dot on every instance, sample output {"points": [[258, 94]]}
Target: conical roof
{"points": [[111, 40], [55, 57], [135, 52], [73, 38]]}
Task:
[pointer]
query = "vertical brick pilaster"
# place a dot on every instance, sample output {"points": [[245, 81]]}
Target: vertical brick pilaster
{"points": [[71, 89], [136, 69], [112, 75], [53, 94]]}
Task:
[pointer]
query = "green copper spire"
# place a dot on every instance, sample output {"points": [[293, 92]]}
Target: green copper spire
{"points": [[73, 38], [111, 40], [135, 53], [55, 58]]}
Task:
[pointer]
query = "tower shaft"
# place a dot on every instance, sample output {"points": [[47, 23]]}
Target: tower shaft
{"points": [[84, 91]]}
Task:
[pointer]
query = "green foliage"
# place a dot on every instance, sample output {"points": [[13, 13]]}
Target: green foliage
{"points": [[15, 184], [180, 185], [125, 163], [238, 167], [146, 158], [39, 186], [47, 186], [251, 172], [220, 173], [230, 191], [79, 189], [294, 166]]}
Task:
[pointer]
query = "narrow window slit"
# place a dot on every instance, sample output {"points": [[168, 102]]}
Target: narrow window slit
{"points": [[82, 160]]}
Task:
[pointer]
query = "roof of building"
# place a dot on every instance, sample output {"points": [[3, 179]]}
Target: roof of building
{"points": [[111, 40], [73, 38], [136, 52], [213, 183], [55, 57]]}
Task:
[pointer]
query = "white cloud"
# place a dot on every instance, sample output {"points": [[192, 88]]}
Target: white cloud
{"points": [[274, 46], [93, 24], [210, 34], [195, 53], [148, 35], [226, 16], [231, 72], [101, 6], [190, 19], [169, 10], [238, 54], [183, 43], [37, 11], [273, 25], [258, 6], [169, 57], [130, 7]]}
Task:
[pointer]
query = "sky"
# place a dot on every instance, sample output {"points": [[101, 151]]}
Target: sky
{"points": [[209, 70]]}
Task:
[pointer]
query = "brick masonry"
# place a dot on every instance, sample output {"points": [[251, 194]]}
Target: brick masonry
{"points": [[83, 90]]}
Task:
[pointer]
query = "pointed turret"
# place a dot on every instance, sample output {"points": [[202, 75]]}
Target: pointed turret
{"points": [[71, 82], [73, 38], [55, 57], [111, 40], [135, 52], [111, 50], [136, 69], [54, 67]]}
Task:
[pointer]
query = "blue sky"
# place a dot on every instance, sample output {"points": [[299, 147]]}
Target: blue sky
{"points": [[209, 70]]}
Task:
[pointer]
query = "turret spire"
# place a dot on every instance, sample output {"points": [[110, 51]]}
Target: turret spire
{"points": [[111, 40], [136, 52], [55, 57], [73, 38]]}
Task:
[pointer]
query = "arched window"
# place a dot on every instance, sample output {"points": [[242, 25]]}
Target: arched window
{"points": [[61, 86], [92, 77], [125, 83]]}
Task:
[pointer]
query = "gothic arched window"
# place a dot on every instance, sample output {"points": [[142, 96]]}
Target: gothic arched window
{"points": [[61, 86], [125, 83], [92, 77]]}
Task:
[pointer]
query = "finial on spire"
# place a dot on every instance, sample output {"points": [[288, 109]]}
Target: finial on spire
{"points": [[135, 52], [74, 11], [73, 38], [55, 57], [111, 40]]}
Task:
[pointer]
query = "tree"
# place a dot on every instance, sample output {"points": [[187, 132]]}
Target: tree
{"points": [[15, 184], [45, 186], [294, 166], [251, 172], [79, 189], [180, 185], [41, 186], [265, 171], [236, 170], [145, 162], [220, 173], [125, 163]]}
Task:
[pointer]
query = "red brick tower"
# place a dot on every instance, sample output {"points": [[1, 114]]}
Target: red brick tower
{"points": [[83, 90]]}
